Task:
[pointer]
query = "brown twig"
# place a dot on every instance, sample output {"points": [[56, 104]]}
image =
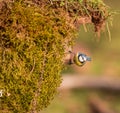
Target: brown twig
{"points": [[76, 81]]}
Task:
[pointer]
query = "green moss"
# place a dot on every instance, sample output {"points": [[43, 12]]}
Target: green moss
{"points": [[31, 53]]}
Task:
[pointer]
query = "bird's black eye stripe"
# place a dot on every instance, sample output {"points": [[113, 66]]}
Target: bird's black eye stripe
{"points": [[79, 56]]}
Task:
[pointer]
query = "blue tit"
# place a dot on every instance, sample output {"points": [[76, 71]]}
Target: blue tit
{"points": [[80, 58]]}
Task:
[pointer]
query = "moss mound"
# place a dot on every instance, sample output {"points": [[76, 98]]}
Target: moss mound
{"points": [[33, 37], [31, 48]]}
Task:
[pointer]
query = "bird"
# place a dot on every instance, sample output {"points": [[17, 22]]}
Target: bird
{"points": [[79, 58]]}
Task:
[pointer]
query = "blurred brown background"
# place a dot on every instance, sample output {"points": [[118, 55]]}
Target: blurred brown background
{"points": [[104, 97]]}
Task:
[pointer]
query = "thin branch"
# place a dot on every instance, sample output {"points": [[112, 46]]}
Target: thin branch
{"points": [[76, 81]]}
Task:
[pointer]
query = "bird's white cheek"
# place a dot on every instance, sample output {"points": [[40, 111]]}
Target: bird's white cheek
{"points": [[81, 59]]}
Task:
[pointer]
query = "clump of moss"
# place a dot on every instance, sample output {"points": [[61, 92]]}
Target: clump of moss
{"points": [[32, 43], [91, 11]]}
